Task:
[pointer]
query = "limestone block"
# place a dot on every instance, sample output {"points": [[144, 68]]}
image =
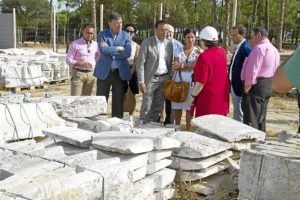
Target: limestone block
{"points": [[200, 174], [133, 162], [143, 188], [227, 128], [80, 106], [197, 164], [81, 158], [68, 148], [54, 152], [215, 187], [156, 166], [139, 173], [154, 156], [162, 178], [5, 154], [70, 135], [265, 176], [40, 186], [165, 194], [125, 143], [26, 171], [91, 125], [162, 142], [117, 180], [197, 146], [96, 164]]}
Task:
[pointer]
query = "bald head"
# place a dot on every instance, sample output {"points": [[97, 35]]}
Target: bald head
{"points": [[170, 32]]}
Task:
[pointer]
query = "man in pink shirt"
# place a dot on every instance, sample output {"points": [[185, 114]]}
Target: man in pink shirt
{"points": [[82, 56], [258, 70]]}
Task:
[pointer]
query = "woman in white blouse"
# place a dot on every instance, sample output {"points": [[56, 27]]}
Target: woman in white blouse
{"points": [[185, 62]]}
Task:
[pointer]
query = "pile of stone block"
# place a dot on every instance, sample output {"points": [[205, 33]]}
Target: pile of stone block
{"points": [[20, 120], [201, 163], [271, 170], [30, 170], [22, 68], [145, 154]]}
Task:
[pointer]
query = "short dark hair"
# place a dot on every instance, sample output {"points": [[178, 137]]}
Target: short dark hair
{"points": [[242, 30], [159, 22], [260, 30], [189, 30], [130, 25], [210, 44], [87, 24], [114, 16]]}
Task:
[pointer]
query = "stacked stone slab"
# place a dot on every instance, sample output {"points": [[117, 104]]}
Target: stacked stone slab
{"points": [[30, 170], [20, 121], [147, 155], [227, 129], [198, 160], [271, 170], [23, 68]]}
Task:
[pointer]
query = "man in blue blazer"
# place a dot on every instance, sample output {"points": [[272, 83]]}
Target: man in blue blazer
{"points": [[242, 51], [112, 69]]}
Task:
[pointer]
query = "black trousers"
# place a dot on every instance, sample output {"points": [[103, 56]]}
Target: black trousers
{"points": [[255, 103], [118, 92], [169, 119]]}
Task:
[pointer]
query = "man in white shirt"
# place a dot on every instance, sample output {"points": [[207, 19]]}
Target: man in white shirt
{"points": [[153, 69]]}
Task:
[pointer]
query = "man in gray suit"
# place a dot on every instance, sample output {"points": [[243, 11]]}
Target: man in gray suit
{"points": [[153, 69]]}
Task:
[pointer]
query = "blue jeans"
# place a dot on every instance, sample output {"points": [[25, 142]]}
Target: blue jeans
{"points": [[237, 106]]}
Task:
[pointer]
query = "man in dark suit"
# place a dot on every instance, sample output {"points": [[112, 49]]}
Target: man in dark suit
{"points": [[113, 68], [243, 49], [153, 69]]}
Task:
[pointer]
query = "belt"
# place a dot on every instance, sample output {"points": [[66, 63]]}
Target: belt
{"points": [[262, 78], [114, 70], [159, 75], [84, 71]]}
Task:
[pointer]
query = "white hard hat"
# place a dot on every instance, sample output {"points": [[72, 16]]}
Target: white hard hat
{"points": [[209, 33]]}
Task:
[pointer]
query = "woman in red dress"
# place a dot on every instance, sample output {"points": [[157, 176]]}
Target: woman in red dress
{"points": [[211, 90]]}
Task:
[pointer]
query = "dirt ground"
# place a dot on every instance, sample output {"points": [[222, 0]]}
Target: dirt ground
{"points": [[283, 112]]}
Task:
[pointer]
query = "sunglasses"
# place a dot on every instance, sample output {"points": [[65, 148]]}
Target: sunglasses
{"points": [[128, 31]]}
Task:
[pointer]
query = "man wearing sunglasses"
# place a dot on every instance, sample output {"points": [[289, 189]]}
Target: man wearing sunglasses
{"points": [[82, 56], [112, 69]]}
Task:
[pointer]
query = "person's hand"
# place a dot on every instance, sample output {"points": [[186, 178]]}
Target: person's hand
{"points": [[175, 66], [88, 66], [104, 44], [191, 100], [142, 87], [247, 88], [120, 48]]}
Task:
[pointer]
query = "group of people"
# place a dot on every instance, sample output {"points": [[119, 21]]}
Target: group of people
{"points": [[118, 62]]}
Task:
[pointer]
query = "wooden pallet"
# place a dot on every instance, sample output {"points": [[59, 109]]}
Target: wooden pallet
{"points": [[24, 88], [55, 82]]}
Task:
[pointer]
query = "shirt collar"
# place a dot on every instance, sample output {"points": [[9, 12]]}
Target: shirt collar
{"points": [[82, 40], [239, 44], [158, 40], [266, 40]]}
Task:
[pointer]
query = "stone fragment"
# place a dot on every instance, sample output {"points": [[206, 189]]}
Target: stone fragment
{"points": [[162, 178], [81, 158], [125, 143], [156, 166], [68, 149], [94, 165], [133, 162], [198, 175], [143, 188], [165, 194], [228, 129], [154, 156], [215, 187], [242, 145], [197, 164], [71, 135], [80, 106], [139, 173], [197, 146]]}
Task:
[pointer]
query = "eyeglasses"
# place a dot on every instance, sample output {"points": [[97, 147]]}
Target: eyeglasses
{"points": [[128, 31]]}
